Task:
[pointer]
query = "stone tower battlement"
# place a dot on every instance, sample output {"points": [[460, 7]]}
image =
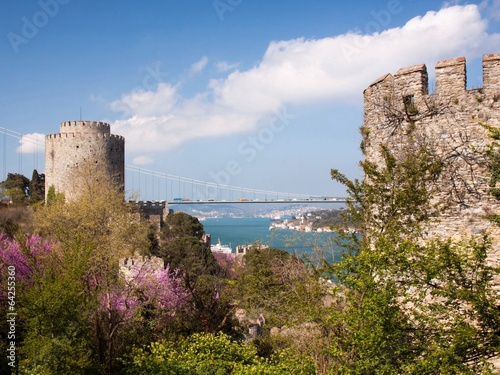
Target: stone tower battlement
{"points": [[402, 114], [155, 212], [73, 135], [82, 143], [408, 91], [451, 80], [85, 127]]}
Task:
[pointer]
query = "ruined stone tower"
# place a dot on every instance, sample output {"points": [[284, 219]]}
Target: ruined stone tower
{"points": [[448, 122], [78, 144]]}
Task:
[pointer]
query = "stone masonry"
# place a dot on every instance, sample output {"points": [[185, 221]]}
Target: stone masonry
{"points": [[82, 143], [447, 122], [154, 212]]}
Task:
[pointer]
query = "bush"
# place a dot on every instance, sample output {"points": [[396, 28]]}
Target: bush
{"points": [[209, 354]]}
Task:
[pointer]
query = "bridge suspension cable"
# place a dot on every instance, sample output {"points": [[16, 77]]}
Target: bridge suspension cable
{"points": [[38, 145], [187, 188], [205, 187]]}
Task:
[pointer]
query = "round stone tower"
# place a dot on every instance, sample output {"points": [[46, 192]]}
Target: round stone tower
{"points": [[78, 144]]}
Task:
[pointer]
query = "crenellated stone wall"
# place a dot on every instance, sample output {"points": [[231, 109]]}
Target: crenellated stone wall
{"points": [[140, 266], [85, 127], [154, 212], [82, 143], [447, 122]]}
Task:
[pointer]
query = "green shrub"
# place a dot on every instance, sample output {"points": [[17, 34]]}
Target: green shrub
{"points": [[209, 354]]}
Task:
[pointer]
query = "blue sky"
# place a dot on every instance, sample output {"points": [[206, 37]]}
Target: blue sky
{"points": [[253, 93]]}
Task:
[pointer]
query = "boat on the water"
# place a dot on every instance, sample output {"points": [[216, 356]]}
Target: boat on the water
{"points": [[219, 248]]}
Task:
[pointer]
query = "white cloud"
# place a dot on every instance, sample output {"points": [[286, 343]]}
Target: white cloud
{"points": [[224, 66], [199, 65], [296, 72], [31, 144], [159, 133], [341, 67], [148, 103], [142, 160]]}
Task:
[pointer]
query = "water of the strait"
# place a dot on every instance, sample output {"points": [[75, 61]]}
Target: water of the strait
{"points": [[248, 231]]}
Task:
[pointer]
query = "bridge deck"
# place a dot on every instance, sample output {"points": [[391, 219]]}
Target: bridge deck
{"points": [[332, 200]]}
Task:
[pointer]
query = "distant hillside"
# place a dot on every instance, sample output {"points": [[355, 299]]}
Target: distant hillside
{"points": [[270, 210], [326, 218]]}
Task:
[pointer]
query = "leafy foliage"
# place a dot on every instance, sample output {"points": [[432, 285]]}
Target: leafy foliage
{"points": [[279, 285], [23, 191], [14, 220], [17, 187], [212, 354], [99, 218], [203, 277], [37, 187], [50, 302], [180, 224], [191, 256], [75, 320], [493, 155], [54, 198], [75, 302], [410, 305], [401, 302]]}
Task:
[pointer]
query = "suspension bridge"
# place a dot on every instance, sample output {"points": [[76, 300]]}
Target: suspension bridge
{"points": [[24, 153]]}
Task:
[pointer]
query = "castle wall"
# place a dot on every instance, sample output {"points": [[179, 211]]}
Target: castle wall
{"points": [[447, 122], [89, 127], [155, 212], [131, 267], [79, 144]]}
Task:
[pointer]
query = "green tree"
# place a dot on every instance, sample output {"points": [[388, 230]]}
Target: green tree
{"points": [[99, 217], [37, 187], [99, 222], [182, 248], [407, 304], [17, 188], [16, 180], [291, 297], [22, 191], [181, 224], [213, 354], [54, 198], [279, 285], [191, 256], [203, 277], [54, 310]]}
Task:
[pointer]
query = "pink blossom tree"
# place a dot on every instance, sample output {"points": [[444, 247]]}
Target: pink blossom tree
{"points": [[61, 292]]}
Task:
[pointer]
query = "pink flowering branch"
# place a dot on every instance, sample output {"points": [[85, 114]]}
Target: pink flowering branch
{"points": [[26, 257], [158, 288]]}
